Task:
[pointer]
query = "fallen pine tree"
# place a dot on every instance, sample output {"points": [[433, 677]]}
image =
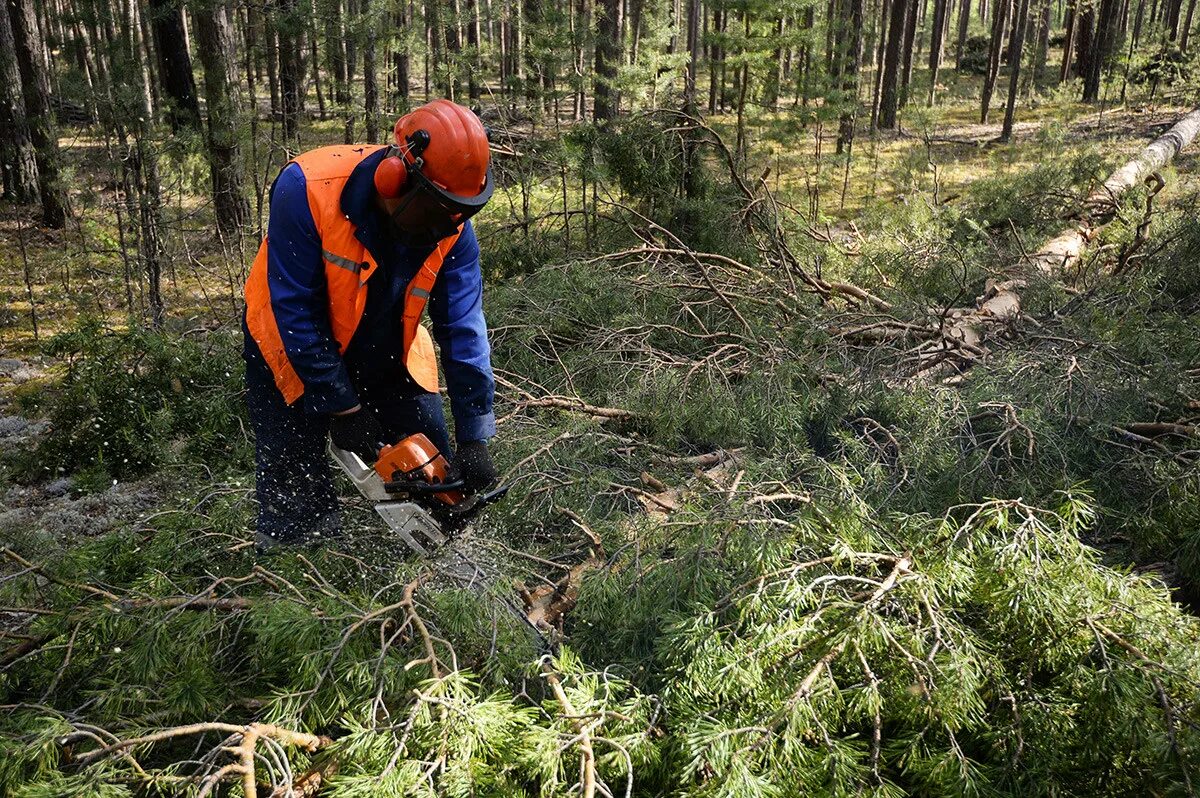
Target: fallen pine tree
{"points": [[960, 337]]}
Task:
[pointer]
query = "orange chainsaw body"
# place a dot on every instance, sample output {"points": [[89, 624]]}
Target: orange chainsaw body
{"points": [[416, 459]]}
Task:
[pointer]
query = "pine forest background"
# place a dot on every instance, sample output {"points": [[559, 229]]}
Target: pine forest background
{"points": [[848, 385]]}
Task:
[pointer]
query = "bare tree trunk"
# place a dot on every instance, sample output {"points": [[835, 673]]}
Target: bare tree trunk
{"points": [[174, 65], [999, 23], [582, 23], [691, 186], [1042, 45], [910, 32], [889, 94], [1187, 26], [743, 143], [851, 64], [880, 51], [144, 165], [215, 43], [18, 162], [940, 12], [370, 84], [291, 73], [314, 58], [1015, 49], [1072, 22], [1101, 42], [714, 54], [964, 22], [401, 58], [474, 60], [608, 58], [35, 85]]}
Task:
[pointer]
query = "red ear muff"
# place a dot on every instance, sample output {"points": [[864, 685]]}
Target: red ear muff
{"points": [[391, 176]]}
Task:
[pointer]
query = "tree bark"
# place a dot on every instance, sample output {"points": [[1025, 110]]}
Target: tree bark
{"points": [[608, 58], [940, 11], [215, 42], [1015, 50], [291, 73], [999, 23], [35, 85], [18, 162], [174, 65], [889, 95], [910, 33], [1101, 46], [851, 62], [1187, 26], [1071, 14], [370, 79], [964, 22]]}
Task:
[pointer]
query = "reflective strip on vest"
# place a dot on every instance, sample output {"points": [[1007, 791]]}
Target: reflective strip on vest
{"points": [[338, 260], [326, 171]]}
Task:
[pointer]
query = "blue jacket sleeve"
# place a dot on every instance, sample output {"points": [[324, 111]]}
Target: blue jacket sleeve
{"points": [[456, 310], [296, 278]]}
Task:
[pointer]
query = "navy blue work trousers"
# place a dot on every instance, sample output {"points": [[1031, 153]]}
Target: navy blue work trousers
{"points": [[293, 474]]}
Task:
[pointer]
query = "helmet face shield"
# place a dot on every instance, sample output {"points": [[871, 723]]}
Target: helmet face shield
{"points": [[428, 213]]}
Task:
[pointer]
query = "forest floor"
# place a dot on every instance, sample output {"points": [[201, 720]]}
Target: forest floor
{"points": [[703, 475]]}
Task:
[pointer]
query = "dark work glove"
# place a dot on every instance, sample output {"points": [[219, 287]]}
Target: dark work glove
{"points": [[474, 465], [358, 432]]}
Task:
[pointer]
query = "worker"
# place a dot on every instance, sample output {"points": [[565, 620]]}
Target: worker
{"points": [[361, 240]]}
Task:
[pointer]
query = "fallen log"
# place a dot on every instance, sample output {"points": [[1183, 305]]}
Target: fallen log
{"points": [[999, 307]]}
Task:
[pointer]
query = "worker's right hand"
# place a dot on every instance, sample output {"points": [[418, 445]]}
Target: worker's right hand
{"points": [[358, 432]]}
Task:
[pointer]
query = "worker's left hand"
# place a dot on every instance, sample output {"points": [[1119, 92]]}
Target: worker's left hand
{"points": [[474, 465]]}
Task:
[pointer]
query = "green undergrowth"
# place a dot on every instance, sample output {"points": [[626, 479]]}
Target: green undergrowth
{"points": [[128, 401], [883, 587]]}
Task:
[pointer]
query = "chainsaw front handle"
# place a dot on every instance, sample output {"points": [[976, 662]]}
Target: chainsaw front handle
{"points": [[423, 488]]}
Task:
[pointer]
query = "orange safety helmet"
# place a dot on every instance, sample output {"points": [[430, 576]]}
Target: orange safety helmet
{"points": [[442, 148]]}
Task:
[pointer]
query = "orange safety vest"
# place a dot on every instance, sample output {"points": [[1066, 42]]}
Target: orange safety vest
{"points": [[348, 268]]}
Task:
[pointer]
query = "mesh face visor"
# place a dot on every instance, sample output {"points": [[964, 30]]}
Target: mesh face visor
{"points": [[458, 207]]}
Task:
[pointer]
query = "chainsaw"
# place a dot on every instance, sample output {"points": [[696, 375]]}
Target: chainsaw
{"points": [[411, 487]]}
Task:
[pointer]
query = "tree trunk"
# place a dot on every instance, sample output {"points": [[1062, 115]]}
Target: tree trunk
{"points": [[889, 94], [475, 74], [964, 22], [1072, 22], [608, 58], [910, 32], [215, 43], [1015, 50], [940, 11], [144, 165], [1137, 24], [1187, 26], [401, 58], [851, 62], [714, 53], [999, 24], [335, 51], [1101, 44], [691, 185], [18, 162], [579, 36], [881, 39], [370, 84], [1042, 45], [35, 86], [174, 65], [291, 73]]}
